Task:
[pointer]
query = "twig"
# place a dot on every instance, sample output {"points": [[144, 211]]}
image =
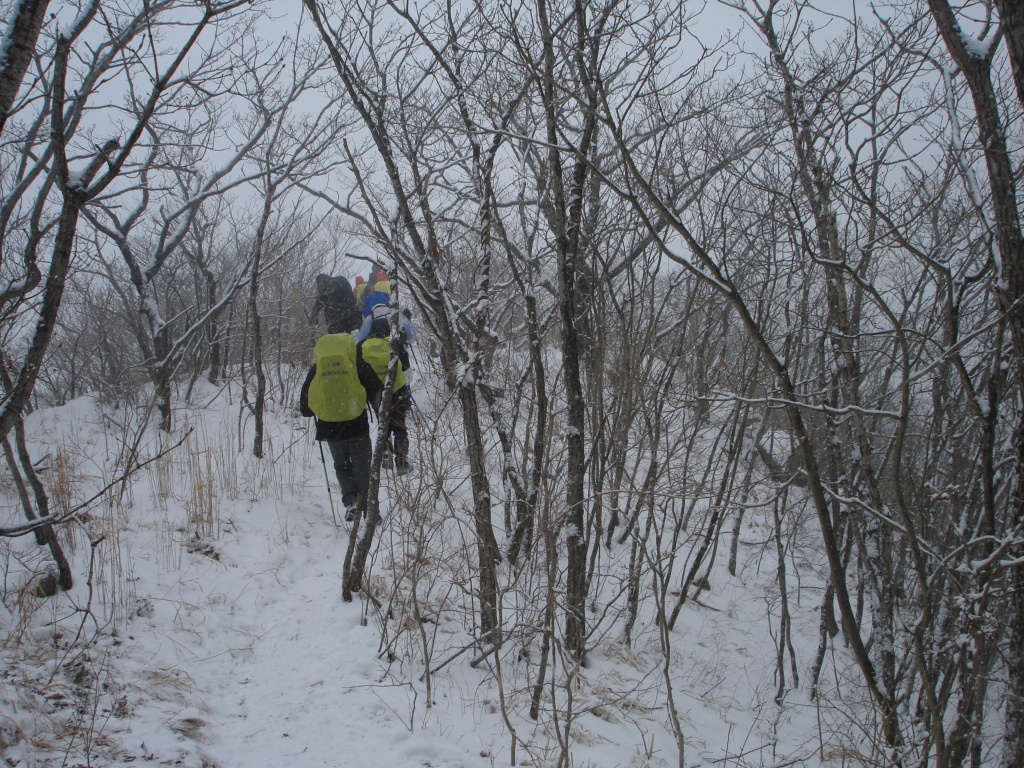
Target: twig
{"points": [[15, 531]]}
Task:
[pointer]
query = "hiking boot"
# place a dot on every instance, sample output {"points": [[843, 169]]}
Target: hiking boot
{"points": [[351, 504]]}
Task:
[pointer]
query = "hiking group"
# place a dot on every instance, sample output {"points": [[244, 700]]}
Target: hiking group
{"points": [[350, 368]]}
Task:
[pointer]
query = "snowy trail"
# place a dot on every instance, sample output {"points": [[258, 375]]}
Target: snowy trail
{"points": [[233, 649], [286, 674]]}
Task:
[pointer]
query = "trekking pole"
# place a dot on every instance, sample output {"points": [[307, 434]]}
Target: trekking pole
{"points": [[327, 478]]}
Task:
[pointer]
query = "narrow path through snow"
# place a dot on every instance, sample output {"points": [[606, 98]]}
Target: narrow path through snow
{"points": [[286, 673]]}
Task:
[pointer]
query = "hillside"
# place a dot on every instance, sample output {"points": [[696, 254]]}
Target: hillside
{"points": [[212, 631]]}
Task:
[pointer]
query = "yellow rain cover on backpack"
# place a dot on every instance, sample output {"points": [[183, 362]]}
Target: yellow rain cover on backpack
{"points": [[377, 352], [336, 394]]}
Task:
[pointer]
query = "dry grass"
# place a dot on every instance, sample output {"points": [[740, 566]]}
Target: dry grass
{"points": [[202, 506]]}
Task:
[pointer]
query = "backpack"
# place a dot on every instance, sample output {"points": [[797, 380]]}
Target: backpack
{"points": [[336, 394], [377, 352], [335, 297], [377, 304]]}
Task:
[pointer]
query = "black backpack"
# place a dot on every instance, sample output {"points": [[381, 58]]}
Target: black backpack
{"points": [[341, 311]]}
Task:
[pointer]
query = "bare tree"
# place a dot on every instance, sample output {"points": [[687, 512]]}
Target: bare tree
{"points": [[175, 188], [412, 237], [104, 165], [974, 50], [44, 197]]}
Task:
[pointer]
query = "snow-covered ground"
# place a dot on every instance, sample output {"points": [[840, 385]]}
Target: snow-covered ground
{"points": [[213, 633]]}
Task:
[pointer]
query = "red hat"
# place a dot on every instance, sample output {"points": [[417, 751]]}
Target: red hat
{"points": [[360, 280], [382, 275]]}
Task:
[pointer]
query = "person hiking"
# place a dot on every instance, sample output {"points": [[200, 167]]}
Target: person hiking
{"points": [[382, 282], [377, 305], [363, 288], [376, 350], [335, 298], [377, 294], [335, 391]]}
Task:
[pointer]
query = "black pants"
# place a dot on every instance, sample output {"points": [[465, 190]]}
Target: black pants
{"points": [[352, 465], [398, 432]]}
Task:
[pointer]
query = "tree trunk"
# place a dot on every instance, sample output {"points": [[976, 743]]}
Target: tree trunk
{"points": [[1013, 748], [369, 508], [162, 374], [566, 212], [1009, 288], [1011, 17], [488, 553], [45, 535], [21, 37]]}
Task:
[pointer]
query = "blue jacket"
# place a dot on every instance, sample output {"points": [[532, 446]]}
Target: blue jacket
{"points": [[373, 300]]}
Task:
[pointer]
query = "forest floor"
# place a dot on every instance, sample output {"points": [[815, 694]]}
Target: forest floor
{"points": [[211, 632]]}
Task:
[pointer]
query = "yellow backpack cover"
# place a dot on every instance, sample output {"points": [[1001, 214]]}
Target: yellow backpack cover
{"points": [[336, 394], [377, 352]]}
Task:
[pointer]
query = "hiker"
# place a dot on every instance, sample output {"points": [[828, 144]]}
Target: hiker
{"points": [[334, 296], [383, 282], [335, 391], [363, 288], [383, 312], [376, 350], [377, 305], [377, 293]]}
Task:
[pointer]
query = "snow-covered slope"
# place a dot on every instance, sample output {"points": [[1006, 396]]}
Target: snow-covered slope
{"points": [[212, 631]]}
